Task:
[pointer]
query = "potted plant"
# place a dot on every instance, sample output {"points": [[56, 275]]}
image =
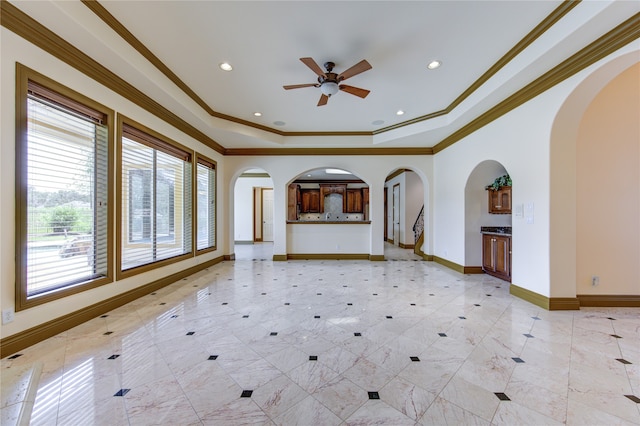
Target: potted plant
{"points": [[504, 180]]}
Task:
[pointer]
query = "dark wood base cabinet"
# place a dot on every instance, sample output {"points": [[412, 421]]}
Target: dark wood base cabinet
{"points": [[496, 255]]}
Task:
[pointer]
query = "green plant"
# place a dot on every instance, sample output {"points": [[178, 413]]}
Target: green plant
{"points": [[63, 218], [504, 180]]}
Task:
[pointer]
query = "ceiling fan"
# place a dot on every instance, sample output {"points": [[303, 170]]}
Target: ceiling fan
{"points": [[329, 82]]}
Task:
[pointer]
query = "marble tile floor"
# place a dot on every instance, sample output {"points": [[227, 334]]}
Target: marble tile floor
{"points": [[338, 343]]}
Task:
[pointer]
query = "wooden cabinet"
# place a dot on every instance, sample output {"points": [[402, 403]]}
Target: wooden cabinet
{"points": [[496, 255], [292, 201], [326, 189], [310, 201], [354, 200], [500, 200]]}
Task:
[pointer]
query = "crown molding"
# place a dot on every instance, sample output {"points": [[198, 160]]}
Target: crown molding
{"points": [[34, 32], [559, 12], [328, 151], [615, 39]]}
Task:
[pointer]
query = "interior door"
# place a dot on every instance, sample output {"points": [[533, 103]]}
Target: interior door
{"points": [[396, 214], [267, 214]]}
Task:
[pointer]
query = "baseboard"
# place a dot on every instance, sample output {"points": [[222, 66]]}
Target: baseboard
{"points": [[609, 300], [244, 242], [564, 304], [529, 296], [328, 256], [279, 257], [406, 246], [389, 240], [12, 344], [427, 257], [231, 256], [473, 270], [258, 240], [449, 264], [376, 257]]}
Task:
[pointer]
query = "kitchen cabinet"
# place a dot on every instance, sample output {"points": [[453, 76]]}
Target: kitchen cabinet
{"points": [[354, 200], [500, 200], [292, 201], [326, 189], [496, 255], [310, 201]]}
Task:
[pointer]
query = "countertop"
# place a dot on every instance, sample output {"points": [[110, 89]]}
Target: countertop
{"points": [[497, 230], [328, 222]]}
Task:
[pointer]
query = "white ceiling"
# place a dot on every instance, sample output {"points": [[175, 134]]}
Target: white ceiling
{"points": [[264, 40]]}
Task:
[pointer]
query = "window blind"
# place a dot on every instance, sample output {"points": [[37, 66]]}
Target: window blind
{"points": [[206, 202]]}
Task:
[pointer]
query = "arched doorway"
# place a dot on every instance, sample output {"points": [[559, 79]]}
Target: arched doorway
{"points": [[253, 215]]}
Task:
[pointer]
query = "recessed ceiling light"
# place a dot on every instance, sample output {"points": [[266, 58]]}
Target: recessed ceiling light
{"points": [[434, 64], [257, 114], [308, 175], [399, 112], [226, 66]]}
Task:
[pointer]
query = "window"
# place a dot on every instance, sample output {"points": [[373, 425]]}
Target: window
{"points": [[156, 198], [63, 191], [206, 204]]}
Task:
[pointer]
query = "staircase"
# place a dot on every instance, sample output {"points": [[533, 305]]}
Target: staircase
{"points": [[418, 233]]}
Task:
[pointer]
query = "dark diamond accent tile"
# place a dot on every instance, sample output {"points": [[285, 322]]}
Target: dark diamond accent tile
{"points": [[343, 285], [212, 357], [414, 358], [536, 318], [502, 396], [122, 392], [622, 360], [528, 336], [163, 303], [104, 316], [616, 336], [488, 295], [15, 356], [349, 304], [108, 333], [389, 317], [475, 304], [431, 294], [412, 304], [374, 395], [224, 303], [357, 334], [375, 294], [264, 294], [153, 294], [191, 333], [612, 319], [518, 360], [318, 294], [462, 317], [446, 286], [174, 316], [246, 394], [245, 316], [296, 285], [317, 316], [395, 286], [273, 333], [442, 334], [113, 356], [313, 357], [633, 398], [287, 304]]}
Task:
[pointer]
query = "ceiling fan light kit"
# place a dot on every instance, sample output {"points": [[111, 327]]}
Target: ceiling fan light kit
{"points": [[329, 82]]}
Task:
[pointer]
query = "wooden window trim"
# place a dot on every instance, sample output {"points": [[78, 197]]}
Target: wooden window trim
{"points": [[207, 162]]}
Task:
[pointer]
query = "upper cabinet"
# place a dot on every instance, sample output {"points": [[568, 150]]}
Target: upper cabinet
{"points": [[500, 200], [310, 201], [354, 200]]}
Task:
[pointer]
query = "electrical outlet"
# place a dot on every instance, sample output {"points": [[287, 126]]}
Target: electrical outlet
{"points": [[7, 316], [595, 280]]}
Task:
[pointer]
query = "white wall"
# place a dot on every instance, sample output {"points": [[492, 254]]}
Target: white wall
{"points": [[310, 238], [371, 169], [243, 211], [15, 49]]}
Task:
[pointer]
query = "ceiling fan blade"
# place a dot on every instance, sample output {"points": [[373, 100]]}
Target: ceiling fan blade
{"points": [[361, 66], [355, 90], [323, 100], [299, 86], [314, 67]]}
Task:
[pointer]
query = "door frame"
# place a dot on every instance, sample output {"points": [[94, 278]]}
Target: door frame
{"points": [[262, 189]]}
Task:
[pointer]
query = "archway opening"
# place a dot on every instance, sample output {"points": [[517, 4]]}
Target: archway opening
{"points": [[253, 215]]}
